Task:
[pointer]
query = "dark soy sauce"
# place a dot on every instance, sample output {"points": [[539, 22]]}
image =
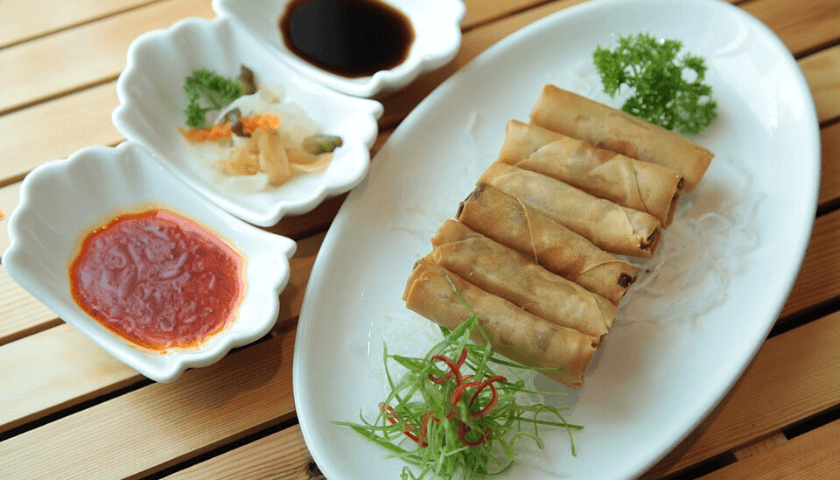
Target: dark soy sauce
{"points": [[351, 38]]}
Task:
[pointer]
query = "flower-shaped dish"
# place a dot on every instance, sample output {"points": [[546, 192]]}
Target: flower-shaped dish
{"points": [[62, 200], [436, 25], [152, 103]]}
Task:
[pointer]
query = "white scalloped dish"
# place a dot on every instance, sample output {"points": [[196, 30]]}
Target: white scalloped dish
{"points": [[436, 25], [62, 200], [152, 103]]}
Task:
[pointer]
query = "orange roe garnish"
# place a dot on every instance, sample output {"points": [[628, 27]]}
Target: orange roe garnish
{"points": [[215, 132], [264, 122]]}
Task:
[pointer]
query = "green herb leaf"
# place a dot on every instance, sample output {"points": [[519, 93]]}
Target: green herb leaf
{"points": [[208, 91], [666, 90]]}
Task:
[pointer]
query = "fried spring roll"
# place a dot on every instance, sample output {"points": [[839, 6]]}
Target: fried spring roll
{"points": [[502, 271], [606, 127], [547, 242], [513, 332], [631, 183], [611, 227]]}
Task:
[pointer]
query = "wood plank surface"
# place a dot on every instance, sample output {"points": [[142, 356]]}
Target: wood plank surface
{"points": [[830, 175], [161, 424], [82, 57], [75, 370], [36, 18], [822, 71], [819, 278], [809, 385], [20, 312], [281, 455], [22, 141], [814, 455], [803, 26]]}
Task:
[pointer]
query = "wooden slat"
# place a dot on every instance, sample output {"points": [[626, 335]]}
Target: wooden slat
{"points": [[23, 132], [282, 455], [822, 71], [52, 370], [162, 424], [813, 455], [75, 369], [830, 175], [37, 18], [794, 375], [20, 313], [489, 11], [84, 56], [803, 26], [819, 277]]}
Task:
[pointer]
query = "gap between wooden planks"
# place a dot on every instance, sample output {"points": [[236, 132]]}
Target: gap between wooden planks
{"points": [[162, 424], [805, 360], [37, 18], [812, 455], [280, 455], [88, 55]]}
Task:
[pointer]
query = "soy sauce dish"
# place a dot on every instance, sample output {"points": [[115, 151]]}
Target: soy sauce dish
{"points": [[365, 48], [141, 264]]}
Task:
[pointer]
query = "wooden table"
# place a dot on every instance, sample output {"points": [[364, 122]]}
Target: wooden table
{"points": [[69, 410]]}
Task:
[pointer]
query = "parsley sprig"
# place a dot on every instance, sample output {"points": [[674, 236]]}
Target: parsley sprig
{"points": [[446, 422], [216, 92], [668, 90]]}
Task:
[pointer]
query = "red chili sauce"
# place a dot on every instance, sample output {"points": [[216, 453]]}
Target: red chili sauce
{"points": [[157, 279]]}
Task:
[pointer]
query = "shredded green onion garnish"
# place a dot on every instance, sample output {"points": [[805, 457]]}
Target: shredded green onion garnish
{"points": [[447, 422]]}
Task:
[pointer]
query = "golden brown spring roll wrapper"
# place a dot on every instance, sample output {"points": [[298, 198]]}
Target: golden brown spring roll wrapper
{"points": [[611, 227], [631, 183], [580, 117], [502, 271], [547, 242], [513, 332]]}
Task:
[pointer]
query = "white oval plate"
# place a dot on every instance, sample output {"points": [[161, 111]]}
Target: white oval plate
{"points": [[62, 200], [152, 102], [437, 39], [654, 380]]}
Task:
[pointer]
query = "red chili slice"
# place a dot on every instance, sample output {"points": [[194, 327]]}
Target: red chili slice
{"points": [[493, 400], [424, 428], [454, 367], [456, 395], [463, 429], [393, 414]]}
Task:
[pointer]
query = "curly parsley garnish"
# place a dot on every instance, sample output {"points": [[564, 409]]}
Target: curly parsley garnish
{"points": [[451, 414], [667, 91], [214, 89]]}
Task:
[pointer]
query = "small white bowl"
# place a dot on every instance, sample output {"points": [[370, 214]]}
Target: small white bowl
{"points": [[437, 40], [61, 200], [152, 102]]}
